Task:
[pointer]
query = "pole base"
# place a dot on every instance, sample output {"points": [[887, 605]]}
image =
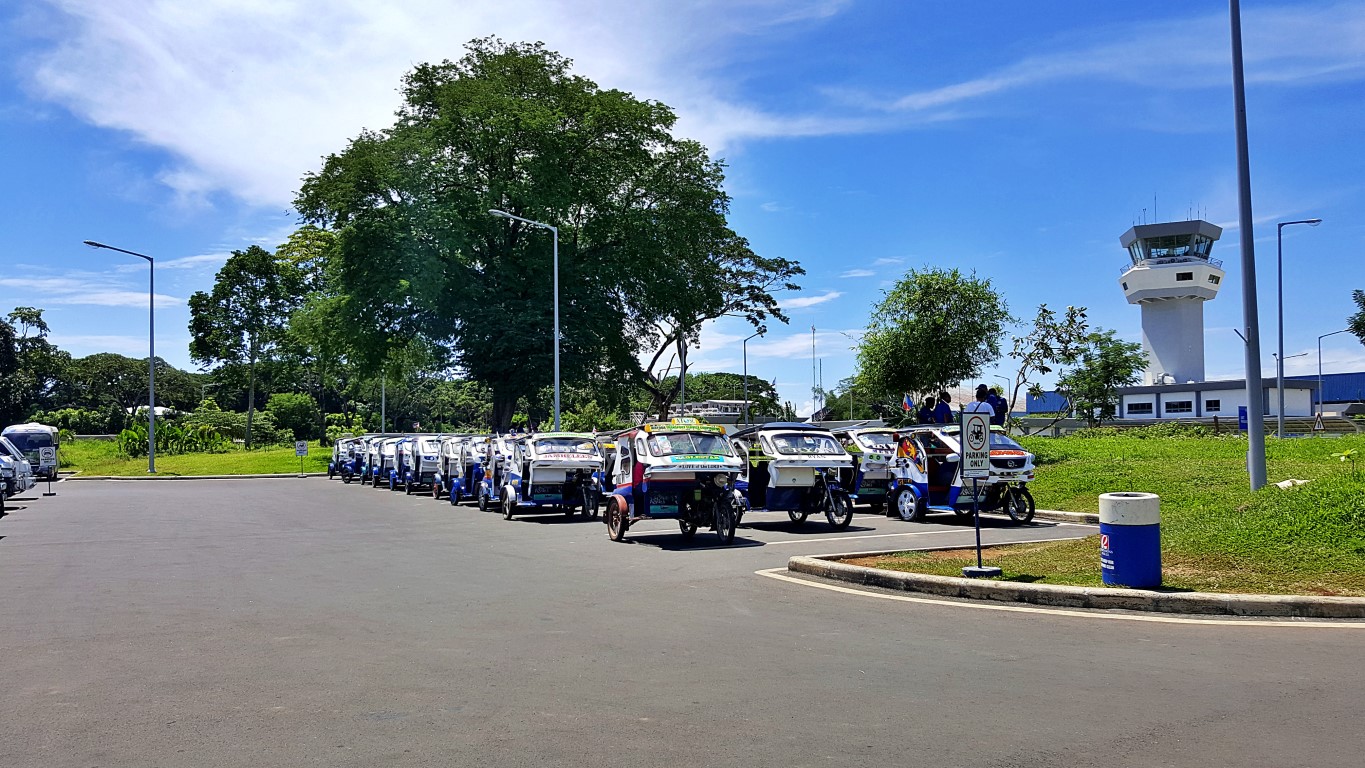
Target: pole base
{"points": [[981, 571]]}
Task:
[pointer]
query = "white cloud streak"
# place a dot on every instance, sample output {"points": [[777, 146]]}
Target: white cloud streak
{"points": [[83, 290], [858, 273], [802, 302]]}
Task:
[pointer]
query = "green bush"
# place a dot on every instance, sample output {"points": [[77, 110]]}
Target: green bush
{"points": [[172, 439], [232, 425], [84, 421], [296, 412]]}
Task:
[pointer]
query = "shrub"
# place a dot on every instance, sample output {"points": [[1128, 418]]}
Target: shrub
{"points": [[171, 439], [296, 412]]}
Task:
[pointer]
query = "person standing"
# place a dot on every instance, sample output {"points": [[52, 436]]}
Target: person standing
{"points": [[1001, 409], [943, 412], [926, 411], [982, 403]]}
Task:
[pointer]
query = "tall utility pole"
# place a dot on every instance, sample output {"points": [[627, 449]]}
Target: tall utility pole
{"points": [[151, 349], [1255, 392]]}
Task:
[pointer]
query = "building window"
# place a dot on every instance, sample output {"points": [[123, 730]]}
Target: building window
{"points": [[1180, 406], [1139, 409], [1181, 277], [1125, 286], [1213, 406], [1215, 279]]}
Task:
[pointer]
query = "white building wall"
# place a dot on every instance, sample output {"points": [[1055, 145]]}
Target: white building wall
{"points": [[1298, 403]]}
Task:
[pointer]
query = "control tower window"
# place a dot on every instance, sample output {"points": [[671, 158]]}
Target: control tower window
{"points": [[1183, 276], [1215, 279], [1202, 245], [1135, 251], [1169, 246]]}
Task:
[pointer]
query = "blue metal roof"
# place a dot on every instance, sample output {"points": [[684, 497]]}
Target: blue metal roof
{"points": [[1339, 387], [1048, 402]]}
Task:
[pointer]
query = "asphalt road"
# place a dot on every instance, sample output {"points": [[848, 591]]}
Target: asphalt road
{"points": [[307, 623]]}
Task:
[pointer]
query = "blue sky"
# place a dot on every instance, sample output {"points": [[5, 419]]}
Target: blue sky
{"points": [[863, 138]]}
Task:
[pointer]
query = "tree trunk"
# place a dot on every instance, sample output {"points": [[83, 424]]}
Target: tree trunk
{"points": [[504, 406], [250, 401]]}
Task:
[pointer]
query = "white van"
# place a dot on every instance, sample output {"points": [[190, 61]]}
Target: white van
{"points": [[16, 474], [39, 444]]}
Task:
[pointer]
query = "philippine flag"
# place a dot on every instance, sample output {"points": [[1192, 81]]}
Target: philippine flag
{"points": [[905, 402]]}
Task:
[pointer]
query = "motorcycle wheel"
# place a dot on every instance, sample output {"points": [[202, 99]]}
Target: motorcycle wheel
{"points": [[725, 522], [841, 514], [687, 528], [797, 517], [1019, 505], [616, 520]]}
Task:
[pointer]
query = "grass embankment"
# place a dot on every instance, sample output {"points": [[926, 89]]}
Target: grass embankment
{"points": [[1216, 534], [100, 457]]}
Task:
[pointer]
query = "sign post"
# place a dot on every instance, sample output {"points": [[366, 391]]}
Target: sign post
{"points": [[300, 450], [48, 454], [975, 436]]}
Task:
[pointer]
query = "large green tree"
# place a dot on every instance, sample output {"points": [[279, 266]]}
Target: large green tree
{"points": [[1051, 341], [32, 368], [243, 318], [1103, 365], [645, 253], [934, 328]]}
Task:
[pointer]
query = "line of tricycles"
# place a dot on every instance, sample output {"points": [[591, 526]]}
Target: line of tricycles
{"points": [[703, 476]]}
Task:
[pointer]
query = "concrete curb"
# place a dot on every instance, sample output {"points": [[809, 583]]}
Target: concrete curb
{"points": [[1218, 603], [1084, 518], [195, 477]]}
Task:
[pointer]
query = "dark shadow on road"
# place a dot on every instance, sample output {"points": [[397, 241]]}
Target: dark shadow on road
{"points": [[701, 540], [554, 518], [810, 527]]}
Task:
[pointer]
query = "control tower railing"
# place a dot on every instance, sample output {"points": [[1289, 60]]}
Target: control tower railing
{"points": [[1215, 263]]}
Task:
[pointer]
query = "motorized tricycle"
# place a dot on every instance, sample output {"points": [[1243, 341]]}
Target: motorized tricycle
{"points": [[793, 468], [927, 476], [872, 449], [497, 454], [451, 478], [344, 460], [555, 470], [417, 461], [382, 474], [681, 470]]}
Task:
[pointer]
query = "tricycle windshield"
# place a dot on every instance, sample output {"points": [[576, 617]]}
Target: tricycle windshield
{"points": [[565, 445], [1004, 442], [803, 444], [683, 443], [878, 441], [430, 445]]}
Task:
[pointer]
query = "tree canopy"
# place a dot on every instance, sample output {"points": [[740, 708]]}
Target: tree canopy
{"points": [[645, 253], [934, 328]]}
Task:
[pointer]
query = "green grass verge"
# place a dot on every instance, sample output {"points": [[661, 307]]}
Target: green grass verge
{"points": [[100, 457], [1216, 534]]}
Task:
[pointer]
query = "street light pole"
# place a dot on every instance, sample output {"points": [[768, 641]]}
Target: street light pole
{"points": [[1279, 279], [1250, 319], [151, 349], [554, 231], [744, 347], [1320, 338]]}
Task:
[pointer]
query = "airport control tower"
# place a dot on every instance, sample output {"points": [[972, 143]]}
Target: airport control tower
{"points": [[1170, 277]]}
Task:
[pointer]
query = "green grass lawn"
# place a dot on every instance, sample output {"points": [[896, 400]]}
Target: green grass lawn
{"points": [[1216, 534], [100, 457]]}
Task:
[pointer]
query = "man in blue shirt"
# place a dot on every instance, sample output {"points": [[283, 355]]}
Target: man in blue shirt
{"points": [[943, 413], [1001, 408]]}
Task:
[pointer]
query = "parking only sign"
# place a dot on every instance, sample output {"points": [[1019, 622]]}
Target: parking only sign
{"points": [[47, 455], [976, 445], [301, 448]]}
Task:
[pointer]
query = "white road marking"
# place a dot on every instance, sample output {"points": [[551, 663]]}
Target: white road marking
{"points": [[880, 536], [780, 575]]}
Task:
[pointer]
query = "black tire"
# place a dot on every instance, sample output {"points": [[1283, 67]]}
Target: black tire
{"points": [[688, 529], [346, 478], [1019, 505], [616, 520], [330, 471], [407, 487], [797, 517], [909, 505], [483, 501], [508, 507], [841, 515], [725, 522]]}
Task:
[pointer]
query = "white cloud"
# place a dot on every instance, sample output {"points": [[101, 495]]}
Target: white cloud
{"points": [[295, 81], [771, 207], [887, 262], [80, 345], [1282, 45], [801, 302], [828, 344], [92, 290], [858, 273]]}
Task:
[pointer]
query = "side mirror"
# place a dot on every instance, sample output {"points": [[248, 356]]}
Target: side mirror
{"points": [[952, 458]]}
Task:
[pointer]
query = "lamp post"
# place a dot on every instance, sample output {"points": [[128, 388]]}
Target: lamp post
{"points": [[151, 349], [744, 347], [1279, 403], [554, 231], [1279, 290], [1320, 338]]}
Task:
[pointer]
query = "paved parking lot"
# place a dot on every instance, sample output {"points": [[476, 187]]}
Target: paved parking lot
{"points": [[303, 622]]}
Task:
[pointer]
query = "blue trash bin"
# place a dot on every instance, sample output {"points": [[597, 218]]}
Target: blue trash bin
{"points": [[1130, 539]]}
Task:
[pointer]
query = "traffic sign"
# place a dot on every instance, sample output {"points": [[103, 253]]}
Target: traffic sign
{"points": [[976, 445], [1317, 425], [300, 447]]}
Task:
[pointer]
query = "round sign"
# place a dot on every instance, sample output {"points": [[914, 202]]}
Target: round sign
{"points": [[976, 437], [47, 454]]}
